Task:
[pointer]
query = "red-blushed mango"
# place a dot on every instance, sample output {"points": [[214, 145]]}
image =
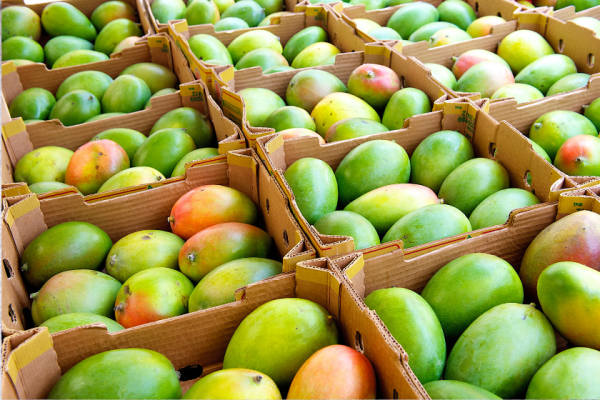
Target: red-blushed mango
{"points": [[151, 295], [94, 163], [579, 156], [210, 205], [485, 78], [449, 390], [374, 83], [483, 26], [219, 244], [290, 117], [335, 372], [339, 106], [308, 88], [301, 132], [234, 383], [110, 11], [473, 57], [575, 237], [521, 48]]}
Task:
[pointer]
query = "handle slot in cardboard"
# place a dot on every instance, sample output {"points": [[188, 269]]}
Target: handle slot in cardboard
{"points": [[493, 150], [8, 268], [286, 239], [591, 60], [395, 395], [190, 372], [358, 343], [561, 45], [12, 314]]}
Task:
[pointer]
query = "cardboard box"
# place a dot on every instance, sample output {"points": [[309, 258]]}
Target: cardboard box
{"points": [[577, 200], [26, 217], [490, 139], [196, 343], [564, 15]]}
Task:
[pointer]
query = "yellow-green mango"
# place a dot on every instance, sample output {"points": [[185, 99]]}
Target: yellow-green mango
{"points": [[196, 155], [339, 106], [264, 58], [260, 103], [234, 383], [290, 117], [252, 40], [384, 33], [161, 92], [104, 116], [303, 39], [495, 209], [20, 21], [448, 36], [248, 10], [114, 33], [132, 177], [45, 187], [46, 164], [95, 82], [202, 12], [223, 5], [520, 92], [156, 76], [128, 139], [546, 71], [63, 19], [425, 32], [75, 108], [268, 19], [448, 390], [206, 47], [79, 57], [126, 94], [568, 83], [403, 104], [365, 25], [110, 11], [230, 23], [307, 88], [442, 74], [459, 13], [352, 128], [168, 10], [126, 43], [521, 48], [192, 121], [348, 223], [61, 45], [314, 54]]}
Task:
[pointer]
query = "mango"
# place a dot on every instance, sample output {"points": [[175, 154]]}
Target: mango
{"points": [[210, 205], [156, 76], [94, 163], [260, 103], [425, 32], [293, 329], [32, 121], [33, 103], [405, 103], [437, 156], [168, 10], [230, 23], [271, 6], [95, 82], [349, 373], [505, 336], [485, 78], [110, 11], [448, 36], [248, 10], [540, 151], [300, 132], [521, 48], [264, 58], [374, 83], [579, 156], [269, 18], [472, 182], [592, 112], [408, 19], [222, 5], [104, 116], [365, 25], [194, 123], [126, 43], [56, 15], [351, 128], [45, 187], [81, 290], [290, 117], [61, 45], [308, 88], [446, 390], [19, 63], [202, 12], [314, 54], [568, 83], [588, 22], [570, 374], [22, 48], [196, 155], [234, 383], [276, 69], [370, 4], [338, 106], [64, 247], [496, 209], [161, 92], [473, 57], [347, 223], [580, 5], [121, 373], [75, 108], [73, 320], [126, 94], [483, 26], [114, 33], [163, 150], [479, 282], [46, 164], [303, 39], [458, 13], [554, 128], [413, 324], [443, 75], [206, 47], [128, 139], [143, 250], [520, 92], [384, 33], [132, 177], [20, 21], [546, 71], [79, 57]]}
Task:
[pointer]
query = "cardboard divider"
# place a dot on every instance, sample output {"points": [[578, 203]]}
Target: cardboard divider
{"points": [[569, 13], [26, 217], [490, 139], [577, 200]]}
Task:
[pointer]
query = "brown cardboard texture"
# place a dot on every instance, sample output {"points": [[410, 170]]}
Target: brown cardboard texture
{"points": [[577, 200], [490, 139], [569, 13], [26, 217]]}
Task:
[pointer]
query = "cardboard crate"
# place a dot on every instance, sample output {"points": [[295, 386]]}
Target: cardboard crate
{"points": [[196, 344], [490, 139], [566, 14], [26, 217]]}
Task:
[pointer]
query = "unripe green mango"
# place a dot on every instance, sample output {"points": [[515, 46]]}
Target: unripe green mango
{"points": [[63, 19], [104, 116], [110, 11], [163, 150], [404, 104], [351, 128], [459, 13], [303, 39], [260, 103], [156, 76], [161, 92], [73, 320], [22, 48], [408, 19], [448, 390], [192, 121], [126, 94], [95, 82], [495, 209], [33, 103], [384, 33], [196, 155], [347, 223], [580, 5], [546, 71], [248, 10], [442, 74], [45, 187], [252, 40], [520, 92], [45, 164], [202, 12], [568, 83], [264, 58], [61, 45], [75, 108], [79, 57], [371, 4], [230, 23], [425, 32], [168, 10], [206, 47], [290, 117], [128, 139]]}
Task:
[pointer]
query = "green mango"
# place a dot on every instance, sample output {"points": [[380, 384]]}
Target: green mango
{"points": [[206, 47], [365, 25], [448, 390], [279, 336], [156, 76], [403, 104], [81, 290], [20, 21], [121, 373], [568, 83], [202, 12], [63, 19], [126, 43], [126, 94], [234, 383], [95, 82], [370, 166], [114, 33], [384, 33], [104, 116], [161, 92], [79, 57], [163, 150], [520, 92], [168, 10], [128, 139], [46, 164], [18, 63], [552, 129], [314, 186], [270, 6], [336, 107], [351, 128], [314, 54], [75, 108], [308, 88], [303, 39], [496, 209], [521, 48], [248, 10], [264, 58], [22, 48], [458, 13], [34, 103], [588, 22], [511, 334], [196, 155], [192, 121], [142, 250], [280, 68], [447, 36], [219, 285], [393, 3], [45, 187], [580, 5], [32, 121], [485, 78], [267, 20], [428, 224], [222, 5], [260, 103], [472, 182], [73, 320], [110, 11], [468, 286], [413, 324], [290, 117], [425, 32], [406, 20], [64, 247], [591, 112], [539, 150], [61, 45], [546, 71], [571, 374], [230, 23], [371, 4], [132, 177], [442, 74], [347, 223], [258, 39]]}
